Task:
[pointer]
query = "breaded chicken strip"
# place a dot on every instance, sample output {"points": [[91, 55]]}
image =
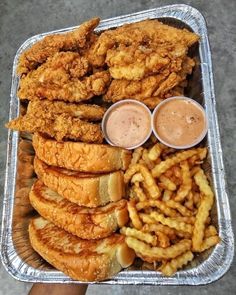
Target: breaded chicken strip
{"points": [[46, 109], [61, 78], [136, 62], [59, 127], [149, 33], [49, 45], [152, 89]]}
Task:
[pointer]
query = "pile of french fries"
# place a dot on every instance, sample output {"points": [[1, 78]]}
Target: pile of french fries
{"points": [[169, 205]]}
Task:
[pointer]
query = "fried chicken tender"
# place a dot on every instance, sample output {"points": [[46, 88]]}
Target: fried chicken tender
{"points": [[61, 120], [60, 127], [149, 32], [49, 45], [152, 89], [137, 62], [46, 109], [62, 77]]}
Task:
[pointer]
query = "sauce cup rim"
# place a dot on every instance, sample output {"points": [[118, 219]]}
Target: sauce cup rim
{"points": [[114, 105], [202, 135]]}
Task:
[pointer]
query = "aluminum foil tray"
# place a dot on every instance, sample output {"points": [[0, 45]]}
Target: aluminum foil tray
{"points": [[17, 255]]}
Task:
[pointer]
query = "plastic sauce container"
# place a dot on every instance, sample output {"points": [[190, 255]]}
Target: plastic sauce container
{"points": [[179, 122], [127, 124]]}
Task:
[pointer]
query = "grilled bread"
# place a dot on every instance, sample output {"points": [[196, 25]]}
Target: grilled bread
{"points": [[83, 260], [95, 223], [90, 190], [79, 156]]}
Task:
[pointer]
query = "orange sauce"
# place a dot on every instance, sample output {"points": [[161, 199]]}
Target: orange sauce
{"points": [[128, 125], [179, 122]]}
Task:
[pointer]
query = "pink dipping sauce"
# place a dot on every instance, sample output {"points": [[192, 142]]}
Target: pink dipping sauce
{"points": [[128, 124]]}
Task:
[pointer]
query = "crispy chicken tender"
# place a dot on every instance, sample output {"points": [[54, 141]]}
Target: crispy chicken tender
{"points": [[49, 45], [141, 33], [71, 90], [61, 120], [46, 109], [137, 62], [152, 89], [60, 127]]}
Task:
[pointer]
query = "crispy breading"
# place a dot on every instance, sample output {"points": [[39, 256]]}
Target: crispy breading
{"points": [[152, 89], [49, 45], [46, 109], [62, 77], [138, 61], [60, 127], [142, 33]]}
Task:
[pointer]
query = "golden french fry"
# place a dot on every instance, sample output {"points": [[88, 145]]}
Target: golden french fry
{"points": [[209, 242], [136, 156], [171, 267], [189, 202], [155, 151], [146, 159], [149, 181], [139, 192], [194, 170], [196, 199], [172, 222], [137, 178], [210, 231], [168, 184], [177, 172], [186, 219], [159, 204], [133, 214], [177, 158], [186, 186], [155, 253], [156, 227], [163, 239], [176, 205], [203, 210], [146, 237], [167, 195]]}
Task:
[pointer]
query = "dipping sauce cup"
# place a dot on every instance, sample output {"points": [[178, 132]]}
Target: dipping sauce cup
{"points": [[179, 122], [127, 124]]}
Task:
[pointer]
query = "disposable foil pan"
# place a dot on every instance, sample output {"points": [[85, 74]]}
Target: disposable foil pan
{"points": [[17, 255]]}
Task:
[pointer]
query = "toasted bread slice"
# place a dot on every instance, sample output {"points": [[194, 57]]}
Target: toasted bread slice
{"points": [[83, 260], [79, 156], [90, 190], [95, 223]]}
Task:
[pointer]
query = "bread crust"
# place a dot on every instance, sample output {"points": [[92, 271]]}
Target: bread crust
{"points": [[95, 223], [90, 190], [80, 259], [78, 156]]}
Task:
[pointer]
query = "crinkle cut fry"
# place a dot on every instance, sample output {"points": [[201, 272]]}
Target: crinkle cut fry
{"points": [[159, 204], [176, 205], [172, 222], [152, 225], [209, 242], [149, 181], [49, 45], [171, 267], [132, 232], [177, 158], [186, 185], [133, 214], [157, 253], [203, 210]]}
